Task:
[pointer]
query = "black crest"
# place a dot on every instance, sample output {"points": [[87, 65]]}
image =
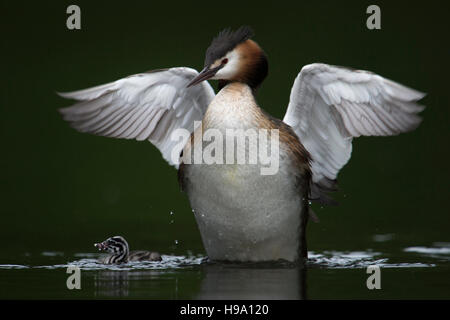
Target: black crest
{"points": [[225, 41]]}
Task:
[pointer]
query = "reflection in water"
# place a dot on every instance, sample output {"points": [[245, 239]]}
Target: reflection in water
{"points": [[111, 284], [126, 283], [220, 281], [225, 281]]}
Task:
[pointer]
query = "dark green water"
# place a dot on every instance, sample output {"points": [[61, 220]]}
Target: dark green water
{"points": [[330, 275], [62, 191]]}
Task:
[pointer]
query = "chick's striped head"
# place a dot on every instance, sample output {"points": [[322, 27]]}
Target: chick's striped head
{"points": [[114, 245]]}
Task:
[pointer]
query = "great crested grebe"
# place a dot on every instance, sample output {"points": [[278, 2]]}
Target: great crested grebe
{"points": [[120, 252], [242, 214]]}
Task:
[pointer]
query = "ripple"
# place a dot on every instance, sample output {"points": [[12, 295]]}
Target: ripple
{"points": [[427, 250], [383, 237], [52, 254], [13, 266], [441, 253], [326, 259], [356, 260], [167, 262]]}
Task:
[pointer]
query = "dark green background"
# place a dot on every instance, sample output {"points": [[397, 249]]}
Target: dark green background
{"points": [[62, 190]]}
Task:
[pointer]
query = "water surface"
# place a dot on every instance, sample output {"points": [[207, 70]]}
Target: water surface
{"points": [[414, 272]]}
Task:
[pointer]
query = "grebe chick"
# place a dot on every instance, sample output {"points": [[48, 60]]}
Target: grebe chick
{"points": [[118, 246]]}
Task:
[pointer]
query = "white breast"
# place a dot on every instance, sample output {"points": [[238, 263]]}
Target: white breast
{"points": [[243, 215]]}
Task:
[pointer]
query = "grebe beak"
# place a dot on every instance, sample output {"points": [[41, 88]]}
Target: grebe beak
{"points": [[101, 246], [205, 74]]}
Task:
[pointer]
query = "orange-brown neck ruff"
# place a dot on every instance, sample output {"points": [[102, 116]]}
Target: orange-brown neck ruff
{"points": [[253, 65]]}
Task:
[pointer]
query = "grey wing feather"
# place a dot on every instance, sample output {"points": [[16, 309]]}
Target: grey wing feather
{"points": [[331, 105], [146, 106]]}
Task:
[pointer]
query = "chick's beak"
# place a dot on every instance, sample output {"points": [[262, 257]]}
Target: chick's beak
{"points": [[101, 246], [205, 74]]}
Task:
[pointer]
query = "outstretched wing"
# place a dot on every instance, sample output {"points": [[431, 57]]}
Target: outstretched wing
{"points": [[145, 106], [330, 105]]}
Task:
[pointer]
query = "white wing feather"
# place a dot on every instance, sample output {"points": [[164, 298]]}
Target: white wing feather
{"points": [[330, 105], [146, 106]]}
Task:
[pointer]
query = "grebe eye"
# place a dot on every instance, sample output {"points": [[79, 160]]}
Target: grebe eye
{"points": [[225, 61]]}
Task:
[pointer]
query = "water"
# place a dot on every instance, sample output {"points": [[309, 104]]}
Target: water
{"points": [[328, 274], [61, 191]]}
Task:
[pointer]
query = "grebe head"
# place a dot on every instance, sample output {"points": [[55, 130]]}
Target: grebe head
{"points": [[116, 245], [234, 57]]}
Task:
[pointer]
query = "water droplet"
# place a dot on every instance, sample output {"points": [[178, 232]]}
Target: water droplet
{"points": [[171, 213], [176, 242]]}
